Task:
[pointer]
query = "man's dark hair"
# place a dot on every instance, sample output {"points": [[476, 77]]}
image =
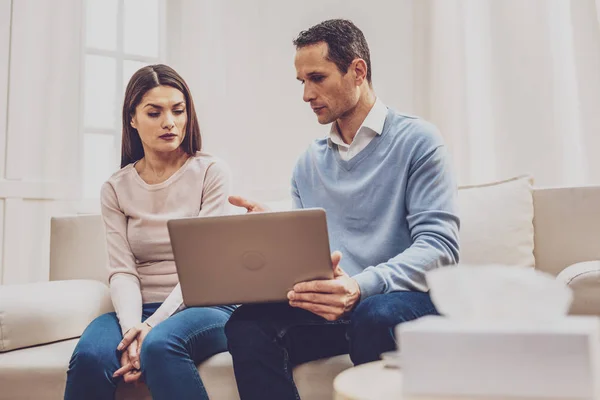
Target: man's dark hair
{"points": [[345, 41]]}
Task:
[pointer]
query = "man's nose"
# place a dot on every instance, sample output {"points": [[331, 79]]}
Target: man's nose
{"points": [[308, 94]]}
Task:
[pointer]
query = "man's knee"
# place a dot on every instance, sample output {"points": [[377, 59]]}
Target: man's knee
{"points": [[388, 310], [234, 329], [241, 327], [374, 313], [371, 330], [252, 326]]}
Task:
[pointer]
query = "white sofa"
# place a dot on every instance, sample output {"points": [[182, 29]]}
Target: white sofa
{"points": [[506, 222]]}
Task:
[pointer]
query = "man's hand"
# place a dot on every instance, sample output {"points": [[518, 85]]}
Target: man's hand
{"points": [[330, 299], [251, 206], [131, 346]]}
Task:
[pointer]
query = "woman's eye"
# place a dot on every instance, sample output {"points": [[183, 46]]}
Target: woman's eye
{"points": [[178, 112], [153, 115]]}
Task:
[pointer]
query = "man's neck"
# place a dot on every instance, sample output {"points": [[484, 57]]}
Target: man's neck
{"points": [[349, 124]]}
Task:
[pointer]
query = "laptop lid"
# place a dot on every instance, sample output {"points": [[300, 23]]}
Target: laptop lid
{"points": [[249, 258]]}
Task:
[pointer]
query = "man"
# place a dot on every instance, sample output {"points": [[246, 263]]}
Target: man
{"points": [[383, 179]]}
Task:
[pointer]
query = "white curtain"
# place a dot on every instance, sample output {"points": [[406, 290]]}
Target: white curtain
{"points": [[238, 58], [514, 86], [40, 153]]}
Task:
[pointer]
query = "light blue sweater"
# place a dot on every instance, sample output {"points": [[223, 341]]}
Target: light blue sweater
{"points": [[391, 209]]}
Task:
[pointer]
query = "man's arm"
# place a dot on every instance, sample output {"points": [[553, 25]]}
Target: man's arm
{"points": [[434, 224], [296, 201]]}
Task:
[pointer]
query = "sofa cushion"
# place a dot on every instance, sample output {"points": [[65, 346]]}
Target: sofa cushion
{"points": [[44, 312], [78, 248], [47, 365], [36, 372], [313, 379], [497, 223], [584, 279]]}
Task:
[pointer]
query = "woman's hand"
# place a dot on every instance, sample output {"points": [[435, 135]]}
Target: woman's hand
{"points": [[128, 371], [131, 346]]}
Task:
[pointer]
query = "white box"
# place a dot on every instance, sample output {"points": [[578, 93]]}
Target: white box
{"points": [[553, 360]]}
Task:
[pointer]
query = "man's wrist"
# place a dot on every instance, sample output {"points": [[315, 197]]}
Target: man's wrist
{"points": [[355, 293]]}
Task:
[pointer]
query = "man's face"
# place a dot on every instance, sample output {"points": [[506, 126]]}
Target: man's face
{"points": [[331, 95]]}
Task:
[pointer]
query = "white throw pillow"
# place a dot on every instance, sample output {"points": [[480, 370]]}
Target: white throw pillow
{"points": [[44, 312], [497, 223]]}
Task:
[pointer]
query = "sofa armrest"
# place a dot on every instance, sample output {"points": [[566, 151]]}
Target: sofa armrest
{"points": [[584, 279], [38, 313]]}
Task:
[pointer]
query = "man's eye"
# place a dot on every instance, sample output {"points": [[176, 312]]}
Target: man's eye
{"points": [[317, 78]]}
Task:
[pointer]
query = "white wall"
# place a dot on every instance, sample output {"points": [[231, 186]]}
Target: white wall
{"points": [[237, 57], [39, 129], [5, 14]]}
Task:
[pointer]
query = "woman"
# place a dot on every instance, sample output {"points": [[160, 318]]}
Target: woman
{"points": [[163, 175]]}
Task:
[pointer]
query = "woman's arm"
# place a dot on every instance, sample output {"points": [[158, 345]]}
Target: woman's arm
{"points": [[123, 277]]}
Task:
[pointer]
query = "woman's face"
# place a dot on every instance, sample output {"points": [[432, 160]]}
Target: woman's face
{"points": [[160, 119]]}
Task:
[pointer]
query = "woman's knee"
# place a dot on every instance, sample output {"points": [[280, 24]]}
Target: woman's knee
{"points": [[155, 347], [93, 361], [95, 353]]}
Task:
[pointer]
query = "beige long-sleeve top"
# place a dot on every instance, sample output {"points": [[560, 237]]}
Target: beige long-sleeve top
{"points": [[140, 259]]}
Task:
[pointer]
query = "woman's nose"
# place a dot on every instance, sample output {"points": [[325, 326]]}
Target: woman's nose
{"points": [[168, 123]]}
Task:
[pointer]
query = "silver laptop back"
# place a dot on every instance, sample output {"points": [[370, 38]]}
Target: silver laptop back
{"points": [[249, 258]]}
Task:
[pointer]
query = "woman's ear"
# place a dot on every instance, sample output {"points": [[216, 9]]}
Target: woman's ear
{"points": [[133, 122]]}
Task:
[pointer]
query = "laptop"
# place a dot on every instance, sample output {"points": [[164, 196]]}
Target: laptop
{"points": [[249, 258]]}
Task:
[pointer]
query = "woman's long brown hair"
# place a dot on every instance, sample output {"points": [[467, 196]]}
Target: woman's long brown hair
{"points": [[141, 82]]}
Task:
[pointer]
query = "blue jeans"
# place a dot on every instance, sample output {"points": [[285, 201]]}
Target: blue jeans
{"points": [[168, 358], [268, 340]]}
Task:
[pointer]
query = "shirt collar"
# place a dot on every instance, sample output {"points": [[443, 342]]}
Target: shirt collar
{"points": [[374, 121]]}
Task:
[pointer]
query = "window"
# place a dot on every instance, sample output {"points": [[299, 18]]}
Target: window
{"points": [[120, 36]]}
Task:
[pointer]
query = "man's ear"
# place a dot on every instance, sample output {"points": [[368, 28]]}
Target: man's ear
{"points": [[359, 66]]}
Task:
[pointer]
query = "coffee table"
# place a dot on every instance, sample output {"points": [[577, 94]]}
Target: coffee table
{"points": [[375, 381], [368, 382]]}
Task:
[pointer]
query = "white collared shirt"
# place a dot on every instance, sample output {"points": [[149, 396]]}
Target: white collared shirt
{"points": [[371, 127]]}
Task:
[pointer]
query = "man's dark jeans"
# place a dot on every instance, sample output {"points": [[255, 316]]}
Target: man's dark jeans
{"points": [[268, 340]]}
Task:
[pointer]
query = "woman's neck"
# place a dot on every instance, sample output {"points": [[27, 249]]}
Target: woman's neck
{"points": [[160, 166]]}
